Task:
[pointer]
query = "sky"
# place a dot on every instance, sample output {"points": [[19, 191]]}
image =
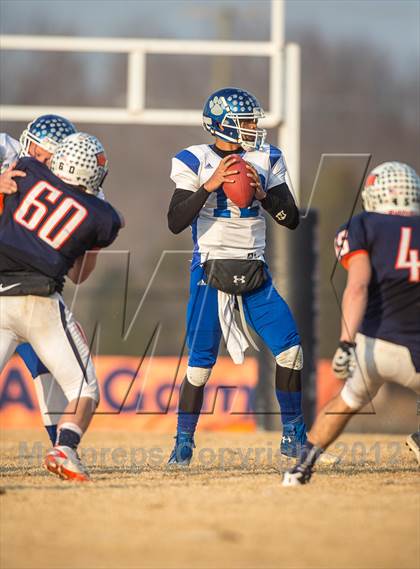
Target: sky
{"points": [[392, 25]]}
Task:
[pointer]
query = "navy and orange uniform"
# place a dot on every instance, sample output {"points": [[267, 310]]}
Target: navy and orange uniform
{"points": [[392, 243], [47, 224]]}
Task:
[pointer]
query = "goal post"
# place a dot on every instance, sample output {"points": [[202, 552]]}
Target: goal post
{"points": [[284, 70]]}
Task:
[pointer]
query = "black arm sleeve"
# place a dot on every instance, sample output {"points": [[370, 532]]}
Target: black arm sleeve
{"points": [[184, 208], [281, 206]]}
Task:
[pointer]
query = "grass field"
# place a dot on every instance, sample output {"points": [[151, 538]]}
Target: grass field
{"points": [[228, 510]]}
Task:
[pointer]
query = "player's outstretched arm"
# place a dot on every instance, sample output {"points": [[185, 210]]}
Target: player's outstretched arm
{"points": [[355, 296], [353, 308]]}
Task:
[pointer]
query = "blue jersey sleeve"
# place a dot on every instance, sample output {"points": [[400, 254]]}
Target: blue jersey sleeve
{"points": [[108, 227], [351, 239]]}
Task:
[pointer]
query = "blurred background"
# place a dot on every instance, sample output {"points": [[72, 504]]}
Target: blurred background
{"points": [[360, 93]]}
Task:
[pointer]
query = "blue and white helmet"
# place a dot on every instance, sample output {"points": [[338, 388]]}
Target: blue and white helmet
{"points": [[47, 131], [392, 188], [223, 112]]}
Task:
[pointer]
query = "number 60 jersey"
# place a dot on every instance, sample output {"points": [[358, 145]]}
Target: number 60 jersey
{"points": [[47, 224], [393, 245]]}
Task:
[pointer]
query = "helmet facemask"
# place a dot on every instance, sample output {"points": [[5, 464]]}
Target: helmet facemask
{"points": [[26, 139], [47, 132], [392, 188], [223, 113], [248, 138]]}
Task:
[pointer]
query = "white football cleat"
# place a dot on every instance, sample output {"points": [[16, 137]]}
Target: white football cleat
{"points": [[328, 459], [413, 443], [65, 462], [298, 476]]}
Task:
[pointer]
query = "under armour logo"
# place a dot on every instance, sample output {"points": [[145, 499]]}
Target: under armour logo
{"points": [[237, 279], [285, 439], [281, 216]]}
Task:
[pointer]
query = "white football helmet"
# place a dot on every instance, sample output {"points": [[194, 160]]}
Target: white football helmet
{"points": [[393, 188], [80, 160]]}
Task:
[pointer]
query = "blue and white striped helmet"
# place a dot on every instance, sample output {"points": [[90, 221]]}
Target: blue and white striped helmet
{"points": [[223, 112], [47, 131]]}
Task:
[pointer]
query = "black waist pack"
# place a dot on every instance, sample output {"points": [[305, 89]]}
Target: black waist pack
{"points": [[25, 283], [235, 276]]}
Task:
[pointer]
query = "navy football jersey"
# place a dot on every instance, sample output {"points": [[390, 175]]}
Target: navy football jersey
{"points": [[47, 224], [393, 245]]}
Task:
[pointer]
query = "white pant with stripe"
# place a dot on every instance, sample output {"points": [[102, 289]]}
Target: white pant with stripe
{"points": [[377, 362], [50, 328]]}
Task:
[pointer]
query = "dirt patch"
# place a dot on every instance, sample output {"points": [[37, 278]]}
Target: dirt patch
{"points": [[228, 510]]}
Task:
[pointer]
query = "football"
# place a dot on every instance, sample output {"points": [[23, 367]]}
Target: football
{"points": [[241, 193]]}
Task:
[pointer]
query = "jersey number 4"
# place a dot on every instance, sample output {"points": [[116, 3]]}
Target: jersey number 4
{"points": [[34, 214], [408, 258]]}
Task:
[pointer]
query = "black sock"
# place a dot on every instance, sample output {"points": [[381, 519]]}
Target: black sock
{"points": [[190, 403], [68, 438], [289, 394], [310, 454], [190, 397]]}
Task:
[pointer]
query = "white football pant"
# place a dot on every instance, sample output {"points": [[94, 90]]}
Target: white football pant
{"points": [[50, 328], [377, 362], [51, 399]]}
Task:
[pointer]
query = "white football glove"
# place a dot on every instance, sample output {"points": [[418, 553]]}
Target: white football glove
{"points": [[344, 360]]}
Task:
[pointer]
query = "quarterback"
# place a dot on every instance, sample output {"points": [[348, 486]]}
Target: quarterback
{"points": [[229, 244], [380, 329], [47, 225]]}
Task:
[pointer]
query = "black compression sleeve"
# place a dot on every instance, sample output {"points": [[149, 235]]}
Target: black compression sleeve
{"points": [[281, 206], [184, 208]]}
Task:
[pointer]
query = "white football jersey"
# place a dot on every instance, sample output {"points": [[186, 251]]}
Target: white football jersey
{"points": [[222, 230], [9, 151]]}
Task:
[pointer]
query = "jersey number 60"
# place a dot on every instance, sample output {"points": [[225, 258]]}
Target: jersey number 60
{"points": [[38, 219]]}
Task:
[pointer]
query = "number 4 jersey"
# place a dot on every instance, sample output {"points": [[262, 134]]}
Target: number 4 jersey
{"points": [[47, 224], [393, 245]]}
